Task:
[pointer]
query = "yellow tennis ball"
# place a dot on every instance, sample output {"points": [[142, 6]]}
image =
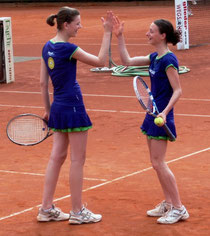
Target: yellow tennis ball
{"points": [[159, 121]]}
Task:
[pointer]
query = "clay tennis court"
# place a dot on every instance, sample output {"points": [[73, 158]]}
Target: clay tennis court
{"points": [[119, 181]]}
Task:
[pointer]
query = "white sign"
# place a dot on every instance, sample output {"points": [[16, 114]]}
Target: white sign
{"points": [[181, 11], [8, 49]]}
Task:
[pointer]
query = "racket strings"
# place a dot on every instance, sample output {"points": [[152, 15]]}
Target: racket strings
{"points": [[144, 96], [27, 130]]}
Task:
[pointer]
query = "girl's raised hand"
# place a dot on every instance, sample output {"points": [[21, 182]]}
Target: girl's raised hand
{"points": [[108, 22], [118, 27]]}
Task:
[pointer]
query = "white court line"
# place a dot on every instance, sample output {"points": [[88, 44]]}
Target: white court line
{"points": [[107, 182], [37, 174], [95, 179], [105, 95], [92, 44], [23, 173], [113, 44], [108, 111], [21, 106]]}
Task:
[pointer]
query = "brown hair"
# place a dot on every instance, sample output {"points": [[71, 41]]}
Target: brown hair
{"points": [[65, 14], [172, 36]]}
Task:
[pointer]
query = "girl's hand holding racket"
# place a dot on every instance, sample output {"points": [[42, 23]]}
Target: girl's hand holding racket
{"points": [[146, 100], [162, 116], [46, 116]]}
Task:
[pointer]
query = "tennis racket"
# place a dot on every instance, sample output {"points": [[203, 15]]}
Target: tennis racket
{"points": [[27, 130], [145, 98]]}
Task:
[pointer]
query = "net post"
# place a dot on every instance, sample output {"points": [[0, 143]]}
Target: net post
{"points": [[6, 51], [181, 14]]}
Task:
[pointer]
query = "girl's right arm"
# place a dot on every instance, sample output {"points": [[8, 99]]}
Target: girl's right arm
{"points": [[124, 55], [44, 80]]}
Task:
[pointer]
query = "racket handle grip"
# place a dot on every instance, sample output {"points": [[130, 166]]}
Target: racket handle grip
{"points": [[169, 133]]}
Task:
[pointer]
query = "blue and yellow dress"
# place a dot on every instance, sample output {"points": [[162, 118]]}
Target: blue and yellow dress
{"points": [[162, 92], [67, 111]]}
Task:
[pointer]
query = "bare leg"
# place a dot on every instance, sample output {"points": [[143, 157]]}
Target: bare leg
{"points": [[167, 180], [78, 143], [57, 158]]}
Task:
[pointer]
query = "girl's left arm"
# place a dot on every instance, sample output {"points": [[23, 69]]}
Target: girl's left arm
{"points": [[173, 77], [99, 60]]}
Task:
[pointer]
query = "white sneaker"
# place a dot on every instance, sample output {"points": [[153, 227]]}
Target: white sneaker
{"points": [[160, 209], [174, 215], [53, 214], [84, 216]]}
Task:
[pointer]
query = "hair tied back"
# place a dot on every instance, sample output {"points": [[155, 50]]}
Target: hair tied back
{"points": [[50, 20]]}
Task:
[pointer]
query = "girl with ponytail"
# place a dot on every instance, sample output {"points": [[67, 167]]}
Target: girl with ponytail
{"points": [[67, 115]]}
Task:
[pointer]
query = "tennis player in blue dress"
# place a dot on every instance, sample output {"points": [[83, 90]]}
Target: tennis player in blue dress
{"points": [[162, 93], [67, 115], [166, 89]]}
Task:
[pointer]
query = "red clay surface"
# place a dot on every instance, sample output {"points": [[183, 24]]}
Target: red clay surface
{"points": [[120, 183]]}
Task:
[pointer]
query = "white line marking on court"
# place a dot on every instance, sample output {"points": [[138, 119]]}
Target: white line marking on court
{"points": [[109, 96], [195, 99], [109, 111], [23, 92], [96, 44], [108, 182], [95, 179], [37, 174], [113, 44], [21, 106], [106, 95], [16, 213], [22, 173], [193, 115]]}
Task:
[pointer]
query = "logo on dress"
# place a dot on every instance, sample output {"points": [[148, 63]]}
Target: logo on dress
{"points": [[152, 72], [51, 54], [51, 63]]}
